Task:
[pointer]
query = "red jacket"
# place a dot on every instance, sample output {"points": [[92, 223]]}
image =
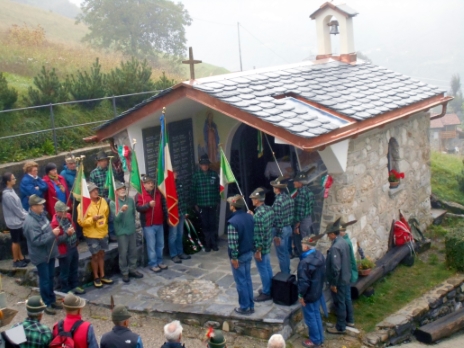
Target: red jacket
{"points": [[80, 336], [50, 194], [63, 246], [150, 216]]}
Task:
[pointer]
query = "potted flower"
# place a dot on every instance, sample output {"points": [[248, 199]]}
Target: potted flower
{"points": [[365, 266], [394, 178]]}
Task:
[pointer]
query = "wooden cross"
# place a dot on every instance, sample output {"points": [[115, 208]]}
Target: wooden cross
{"points": [[192, 63]]}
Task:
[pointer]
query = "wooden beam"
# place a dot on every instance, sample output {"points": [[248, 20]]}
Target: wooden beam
{"points": [[441, 328]]}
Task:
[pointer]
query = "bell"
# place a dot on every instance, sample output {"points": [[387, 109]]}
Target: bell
{"points": [[333, 27]]}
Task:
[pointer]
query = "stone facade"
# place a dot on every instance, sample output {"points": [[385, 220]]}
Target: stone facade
{"points": [[363, 192]]}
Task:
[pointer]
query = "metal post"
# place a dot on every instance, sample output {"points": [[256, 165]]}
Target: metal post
{"points": [[114, 107], [239, 48], [52, 120]]}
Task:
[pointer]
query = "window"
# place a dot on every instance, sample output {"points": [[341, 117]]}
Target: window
{"points": [[393, 155]]}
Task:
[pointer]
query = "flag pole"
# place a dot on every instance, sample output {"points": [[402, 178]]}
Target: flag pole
{"points": [[297, 158], [275, 159], [134, 141]]}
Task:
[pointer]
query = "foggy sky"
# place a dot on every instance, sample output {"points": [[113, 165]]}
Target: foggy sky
{"points": [[420, 38]]}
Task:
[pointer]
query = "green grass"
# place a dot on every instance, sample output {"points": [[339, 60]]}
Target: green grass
{"points": [[445, 169], [398, 289]]}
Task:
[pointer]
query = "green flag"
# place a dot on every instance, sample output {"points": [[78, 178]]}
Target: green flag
{"points": [[226, 176], [260, 144], [110, 185], [134, 177]]}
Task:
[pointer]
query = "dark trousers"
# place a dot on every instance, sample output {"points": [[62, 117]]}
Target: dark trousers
{"points": [[69, 270], [208, 217], [75, 215], [127, 247], [46, 272], [349, 305], [340, 306], [298, 250]]}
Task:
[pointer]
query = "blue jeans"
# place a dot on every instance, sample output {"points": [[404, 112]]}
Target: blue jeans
{"points": [[282, 249], [242, 277], [154, 237], [176, 246], [349, 305], [46, 272], [265, 273], [69, 269], [312, 319]]}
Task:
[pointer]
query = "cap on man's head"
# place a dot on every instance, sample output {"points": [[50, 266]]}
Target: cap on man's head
{"points": [[236, 201], [101, 155], [204, 159], [259, 193], [34, 304], [72, 301], [280, 182], [303, 177], [217, 339], [310, 240], [49, 167], [69, 158], [147, 179], [120, 313], [119, 185], [61, 207], [35, 200], [334, 227], [91, 186]]}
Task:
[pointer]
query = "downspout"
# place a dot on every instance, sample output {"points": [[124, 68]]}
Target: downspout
{"points": [[444, 106]]}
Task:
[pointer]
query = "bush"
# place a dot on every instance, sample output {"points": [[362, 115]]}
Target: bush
{"points": [[8, 96], [131, 77], [454, 248], [87, 85], [163, 82], [49, 89]]}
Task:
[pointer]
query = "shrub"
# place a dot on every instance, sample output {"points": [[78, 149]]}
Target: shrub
{"points": [[163, 82], [87, 85], [366, 263], [24, 35], [131, 77], [454, 248], [49, 88], [8, 96]]}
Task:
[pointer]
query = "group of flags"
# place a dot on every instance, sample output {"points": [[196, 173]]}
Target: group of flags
{"points": [[165, 177]]}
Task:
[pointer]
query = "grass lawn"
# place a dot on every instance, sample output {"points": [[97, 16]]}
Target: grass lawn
{"points": [[445, 169]]}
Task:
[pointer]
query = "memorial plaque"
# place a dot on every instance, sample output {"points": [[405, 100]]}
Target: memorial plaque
{"points": [[151, 139]]}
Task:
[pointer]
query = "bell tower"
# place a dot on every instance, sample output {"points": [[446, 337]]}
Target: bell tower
{"points": [[329, 18]]}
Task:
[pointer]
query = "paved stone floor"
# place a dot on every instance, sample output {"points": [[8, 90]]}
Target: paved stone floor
{"points": [[201, 285]]}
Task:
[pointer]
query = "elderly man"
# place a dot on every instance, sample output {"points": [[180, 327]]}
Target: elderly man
{"points": [[311, 273], [120, 336], [240, 230], [276, 341], [42, 247], [173, 335], [98, 175], [338, 272], [37, 334], [263, 220], [205, 196], [283, 208]]}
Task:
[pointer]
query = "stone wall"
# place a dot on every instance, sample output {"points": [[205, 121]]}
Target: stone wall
{"points": [[363, 192], [444, 299]]}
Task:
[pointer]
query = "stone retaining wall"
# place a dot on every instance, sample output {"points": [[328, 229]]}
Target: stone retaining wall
{"points": [[445, 298]]}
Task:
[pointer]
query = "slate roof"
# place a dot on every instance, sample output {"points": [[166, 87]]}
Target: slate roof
{"points": [[359, 91], [447, 120]]}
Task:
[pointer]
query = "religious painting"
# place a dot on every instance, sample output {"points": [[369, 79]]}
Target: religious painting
{"points": [[211, 139]]}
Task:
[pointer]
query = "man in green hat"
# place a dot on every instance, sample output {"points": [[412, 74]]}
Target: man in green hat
{"points": [[124, 227], [98, 175], [68, 257], [240, 230], [120, 335], [283, 208], [37, 334], [41, 243], [264, 219], [338, 273], [304, 201], [216, 339]]}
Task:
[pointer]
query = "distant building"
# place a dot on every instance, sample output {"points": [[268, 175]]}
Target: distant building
{"points": [[444, 133]]}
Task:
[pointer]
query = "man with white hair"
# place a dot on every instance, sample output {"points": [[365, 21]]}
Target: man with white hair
{"points": [[173, 335], [276, 341]]}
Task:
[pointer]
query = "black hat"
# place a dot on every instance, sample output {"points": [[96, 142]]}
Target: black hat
{"points": [[259, 193], [204, 159], [303, 177], [34, 304], [280, 182], [217, 340], [101, 155], [49, 167]]}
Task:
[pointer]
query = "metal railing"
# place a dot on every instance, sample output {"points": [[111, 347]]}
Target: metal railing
{"points": [[53, 129]]}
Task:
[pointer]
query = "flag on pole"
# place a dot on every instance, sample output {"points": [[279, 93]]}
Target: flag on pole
{"points": [[166, 182], [81, 191], [260, 144], [134, 178], [124, 155], [226, 176], [111, 186]]}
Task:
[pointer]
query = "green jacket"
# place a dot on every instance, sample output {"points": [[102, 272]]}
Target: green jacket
{"points": [[124, 222], [354, 266]]}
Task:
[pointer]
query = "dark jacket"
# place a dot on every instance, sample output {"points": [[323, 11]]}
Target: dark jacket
{"points": [[338, 266], [311, 274], [69, 175], [173, 345], [243, 223], [119, 336], [28, 188], [41, 242]]}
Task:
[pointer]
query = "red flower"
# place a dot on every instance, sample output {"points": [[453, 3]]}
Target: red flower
{"points": [[393, 176]]}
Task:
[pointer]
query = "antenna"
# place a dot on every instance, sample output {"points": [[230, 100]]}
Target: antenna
{"points": [[239, 48]]}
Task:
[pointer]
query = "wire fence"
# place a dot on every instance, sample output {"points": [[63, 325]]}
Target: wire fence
{"points": [[53, 128]]}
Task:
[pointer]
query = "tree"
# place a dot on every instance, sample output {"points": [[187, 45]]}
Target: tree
{"points": [[131, 77], [141, 28], [8, 96], [88, 86], [457, 103], [49, 88]]}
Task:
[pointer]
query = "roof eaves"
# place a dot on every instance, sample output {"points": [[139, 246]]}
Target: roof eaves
{"points": [[343, 9]]}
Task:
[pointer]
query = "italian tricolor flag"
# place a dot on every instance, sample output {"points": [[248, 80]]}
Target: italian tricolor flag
{"points": [[226, 176], [166, 182], [81, 191]]}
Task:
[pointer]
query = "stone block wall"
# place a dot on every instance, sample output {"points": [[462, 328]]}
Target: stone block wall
{"points": [[444, 299], [363, 192]]}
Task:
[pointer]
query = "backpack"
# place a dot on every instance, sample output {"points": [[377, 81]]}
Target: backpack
{"points": [[65, 339], [401, 233]]}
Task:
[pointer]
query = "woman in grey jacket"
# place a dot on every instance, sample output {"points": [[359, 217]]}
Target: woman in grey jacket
{"points": [[14, 215]]}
